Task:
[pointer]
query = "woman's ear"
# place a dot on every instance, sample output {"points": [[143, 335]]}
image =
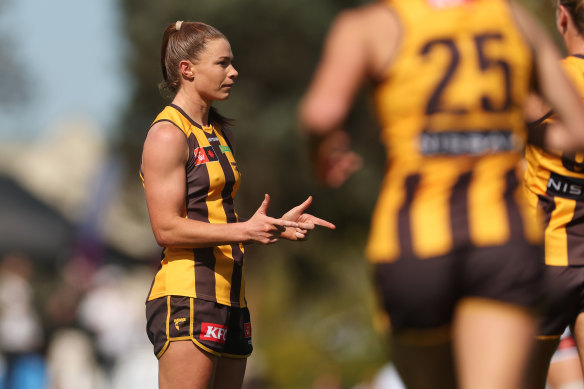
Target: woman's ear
{"points": [[562, 19], [186, 69]]}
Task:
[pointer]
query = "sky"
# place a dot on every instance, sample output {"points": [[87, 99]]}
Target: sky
{"points": [[72, 53]]}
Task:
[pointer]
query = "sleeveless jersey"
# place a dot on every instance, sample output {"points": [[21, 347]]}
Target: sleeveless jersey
{"points": [[555, 188], [451, 111], [211, 273]]}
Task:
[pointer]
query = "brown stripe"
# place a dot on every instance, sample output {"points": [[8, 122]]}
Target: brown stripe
{"points": [[575, 236], [547, 205], [404, 220], [516, 229], [459, 210], [205, 273], [540, 120], [228, 208], [198, 184]]}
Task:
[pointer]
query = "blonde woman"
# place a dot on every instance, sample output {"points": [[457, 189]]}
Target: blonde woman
{"points": [[198, 320]]}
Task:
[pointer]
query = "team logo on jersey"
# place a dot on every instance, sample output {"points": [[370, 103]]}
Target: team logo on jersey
{"points": [[247, 330], [178, 322], [204, 155], [214, 332]]}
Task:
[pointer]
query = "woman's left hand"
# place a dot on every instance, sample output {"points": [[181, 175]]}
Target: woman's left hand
{"points": [[306, 222]]}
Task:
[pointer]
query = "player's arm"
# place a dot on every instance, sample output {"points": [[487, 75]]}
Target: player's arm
{"points": [[554, 88], [163, 165], [339, 75], [349, 58]]}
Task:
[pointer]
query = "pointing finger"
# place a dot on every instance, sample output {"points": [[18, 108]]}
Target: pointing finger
{"points": [[322, 222]]}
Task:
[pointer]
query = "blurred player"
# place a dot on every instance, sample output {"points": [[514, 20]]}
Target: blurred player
{"points": [[555, 187], [456, 260]]}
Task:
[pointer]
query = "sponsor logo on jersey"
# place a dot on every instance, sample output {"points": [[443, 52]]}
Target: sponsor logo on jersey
{"points": [[178, 322], [214, 332], [566, 187], [224, 149], [473, 143], [247, 330], [204, 155]]}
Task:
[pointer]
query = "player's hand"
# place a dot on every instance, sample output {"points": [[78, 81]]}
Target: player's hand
{"points": [[261, 228], [336, 161], [306, 222]]}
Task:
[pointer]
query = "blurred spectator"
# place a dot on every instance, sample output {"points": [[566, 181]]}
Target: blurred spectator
{"points": [[21, 336], [71, 361], [113, 311]]}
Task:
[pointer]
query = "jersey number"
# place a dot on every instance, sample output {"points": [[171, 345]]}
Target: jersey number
{"points": [[436, 104]]}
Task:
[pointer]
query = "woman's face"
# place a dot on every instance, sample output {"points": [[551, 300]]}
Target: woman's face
{"points": [[214, 72]]}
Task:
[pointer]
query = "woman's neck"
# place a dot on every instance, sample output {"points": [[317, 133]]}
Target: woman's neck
{"points": [[573, 41], [196, 108]]}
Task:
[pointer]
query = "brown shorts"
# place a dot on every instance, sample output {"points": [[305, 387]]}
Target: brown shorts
{"points": [[218, 329], [564, 288], [422, 294]]}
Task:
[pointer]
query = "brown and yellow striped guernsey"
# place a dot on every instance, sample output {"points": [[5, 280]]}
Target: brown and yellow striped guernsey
{"points": [[555, 185], [213, 273], [451, 111]]}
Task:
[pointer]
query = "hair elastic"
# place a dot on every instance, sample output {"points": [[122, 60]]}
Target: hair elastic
{"points": [[178, 24]]}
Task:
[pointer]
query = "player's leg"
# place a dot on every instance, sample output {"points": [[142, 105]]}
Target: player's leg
{"points": [[230, 368], [184, 365], [419, 297], [424, 360], [565, 370], [492, 344], [537, 371], [562, 294], [578, 332], [495, 326], [229, 373]]}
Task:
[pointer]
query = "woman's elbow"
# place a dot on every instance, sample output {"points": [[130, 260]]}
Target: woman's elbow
{"points": [[163, 237], [320, 118]]}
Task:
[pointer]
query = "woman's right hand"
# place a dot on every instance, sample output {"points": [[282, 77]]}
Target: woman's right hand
{"points": [[334, 160], [264, 229]]}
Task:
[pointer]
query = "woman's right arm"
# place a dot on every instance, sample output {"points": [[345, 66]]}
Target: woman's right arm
{"points": [[164, 157]]}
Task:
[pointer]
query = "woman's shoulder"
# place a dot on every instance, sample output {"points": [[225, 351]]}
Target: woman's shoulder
{"points": [[368, 16], [167, 132]]}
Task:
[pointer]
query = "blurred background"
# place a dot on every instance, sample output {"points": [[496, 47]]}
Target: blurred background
{"points": [[78, 93]]}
